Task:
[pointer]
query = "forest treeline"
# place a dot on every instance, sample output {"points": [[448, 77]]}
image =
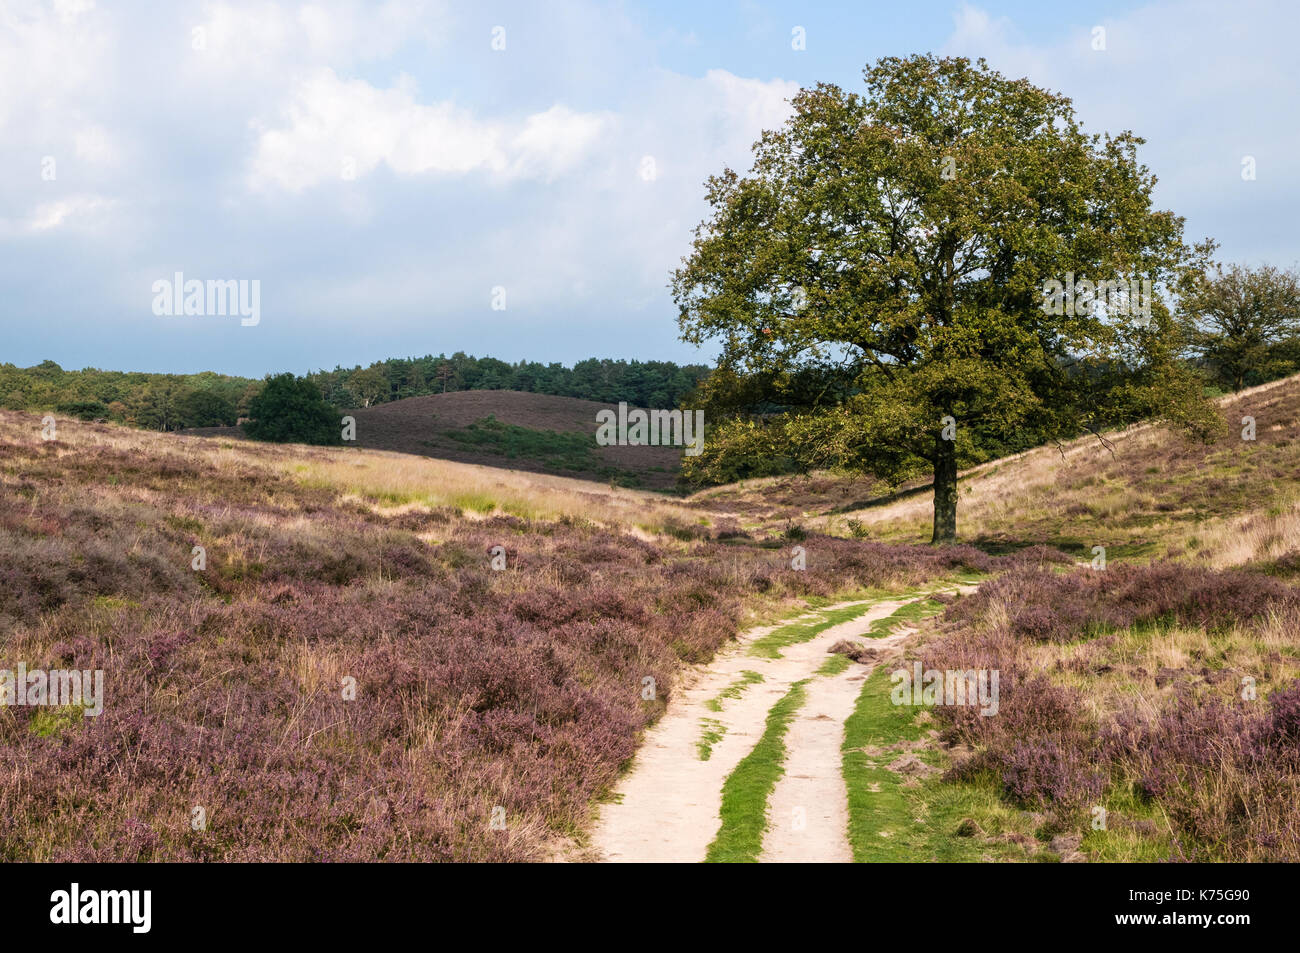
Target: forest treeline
{"points": [[175, 401], [1236, 328]]}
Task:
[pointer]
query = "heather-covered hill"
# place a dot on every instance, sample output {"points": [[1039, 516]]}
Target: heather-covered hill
{"points": [[225, 687], [534, 432], [1162, 691], [537, 433]]}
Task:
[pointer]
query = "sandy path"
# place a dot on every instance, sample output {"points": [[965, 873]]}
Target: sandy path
{"points": [[807, 811], [667, 807], [808, 817]]}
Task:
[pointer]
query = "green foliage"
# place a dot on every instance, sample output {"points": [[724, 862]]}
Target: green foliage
{"points": [[882, 268], [155, 401], [84, 409], [290, 410], [660, 384], [1244, 324], [207, 408], [738, 449]]}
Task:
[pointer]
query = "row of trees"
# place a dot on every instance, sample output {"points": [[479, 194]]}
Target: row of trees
{"points": [[176, 401], [659, 384], [154, 401]]}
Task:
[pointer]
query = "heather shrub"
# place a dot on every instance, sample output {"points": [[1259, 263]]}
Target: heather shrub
{"points": [[1222, 772], [1046, 773], [475, 688], [1050, 607], [1227, 774]]}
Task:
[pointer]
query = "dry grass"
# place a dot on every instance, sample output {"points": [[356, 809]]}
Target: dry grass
{"points": [[385, 481], [392, 481], [1143, 492]]}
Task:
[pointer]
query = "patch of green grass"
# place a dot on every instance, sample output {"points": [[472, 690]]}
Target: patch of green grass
{"points": [[745, 793], [890, 822], [52, 722], [478, 503], [186, 524], [711, 732], [770, 645], [833, 665], [1136, 831], [556, 449], [912, 612], [734, 690], [802, 630]]}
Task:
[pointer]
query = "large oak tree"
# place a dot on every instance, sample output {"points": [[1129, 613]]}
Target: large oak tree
{"points": [[900, 241]]}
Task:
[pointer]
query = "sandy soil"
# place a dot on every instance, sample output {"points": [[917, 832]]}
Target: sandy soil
{"points": [[667, 806]]}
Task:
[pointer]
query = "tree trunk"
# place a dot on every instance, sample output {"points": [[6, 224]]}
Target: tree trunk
{"points": [[945, 491]]}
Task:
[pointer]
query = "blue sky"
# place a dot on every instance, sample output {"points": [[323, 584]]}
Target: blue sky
{"points": [[383, 171]]}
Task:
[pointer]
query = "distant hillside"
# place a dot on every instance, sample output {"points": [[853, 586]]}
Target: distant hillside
{"points": [[538, 433], [211, 400]]}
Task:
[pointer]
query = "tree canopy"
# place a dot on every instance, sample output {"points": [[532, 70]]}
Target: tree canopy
{"points": [[893, 249], [290, 409], [1242, 321]]}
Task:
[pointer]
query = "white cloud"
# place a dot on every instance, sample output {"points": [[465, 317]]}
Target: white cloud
{"points": [[329, 121], [262, 35], [49, 55], [554, 141], [747, 104], [81, 209]]}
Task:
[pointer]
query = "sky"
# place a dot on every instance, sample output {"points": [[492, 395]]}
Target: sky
{"points": [[516, 180]]}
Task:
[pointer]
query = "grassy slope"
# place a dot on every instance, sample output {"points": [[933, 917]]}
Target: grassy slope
{"points": [[1149, 494]]}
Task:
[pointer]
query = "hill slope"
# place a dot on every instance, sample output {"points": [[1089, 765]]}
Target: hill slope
{"points": [[347, 676], [541, 433], [520, 431], [1143, 492], [1164, 693]]}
